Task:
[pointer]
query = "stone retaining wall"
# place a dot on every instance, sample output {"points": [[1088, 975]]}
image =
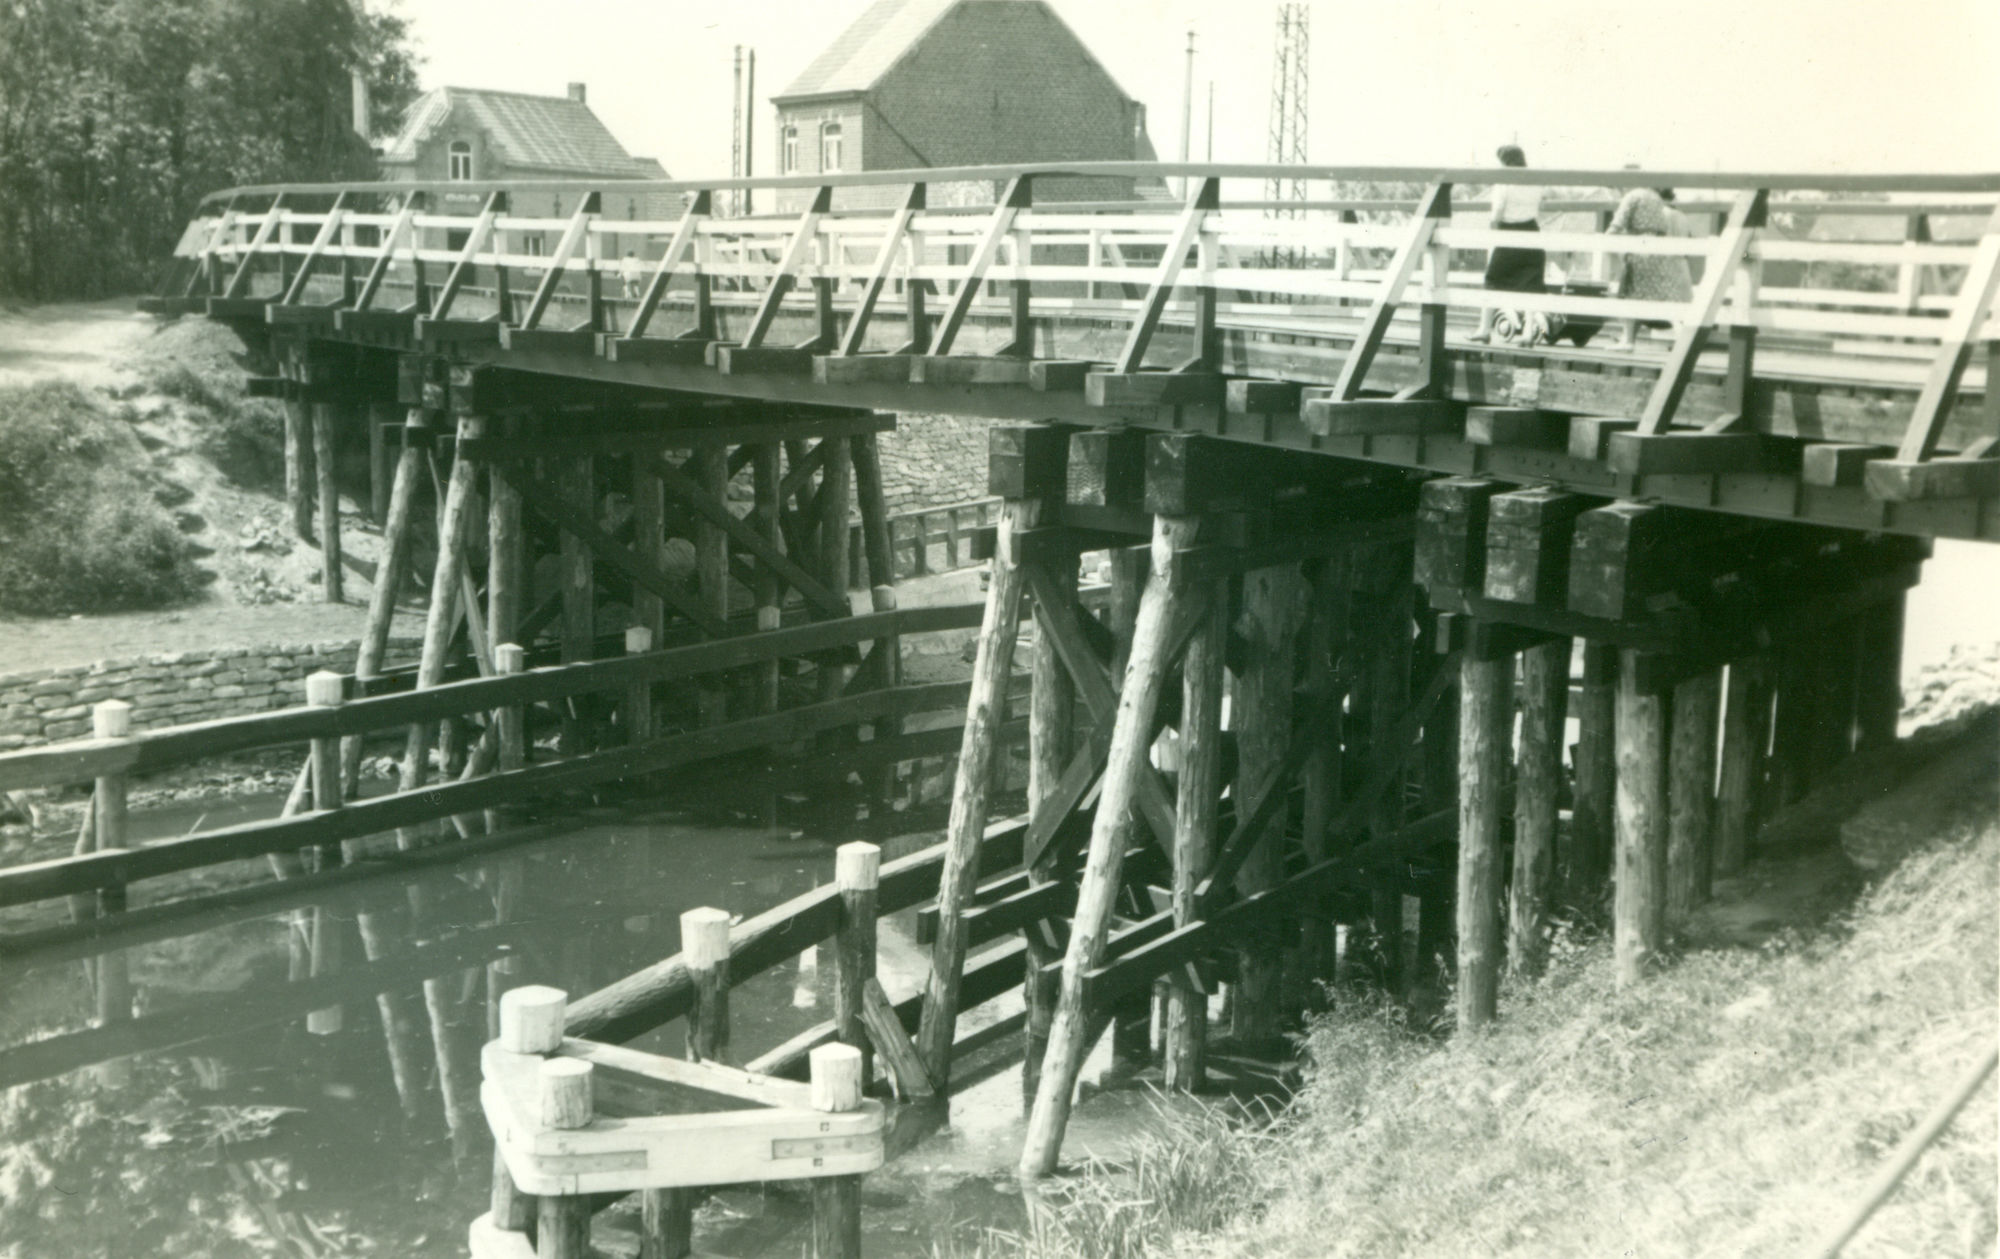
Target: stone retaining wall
{"points": [[933, 460], [49, 705]]}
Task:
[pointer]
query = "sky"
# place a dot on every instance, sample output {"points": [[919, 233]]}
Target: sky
{"points": [[1770, 85]]}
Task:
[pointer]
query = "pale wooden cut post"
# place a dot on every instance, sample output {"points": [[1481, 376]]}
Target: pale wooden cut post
{"points": [[442, 619], [531, 1022], [567, 1095], [563, 1222], [1051, 742], [705, 950], [639, 696], [837, 1081], [1588, 860], [1746, 726], [1197, 800], [111, 719], [856, 872], [985, 710], [1131, 740], [1537, 778], [1691, 794], [1639, 926], [1274, 607], [836, 492], [323, 419], [390, 572], [710, 464], [1485, 729], [510, 725], [577, 485]]}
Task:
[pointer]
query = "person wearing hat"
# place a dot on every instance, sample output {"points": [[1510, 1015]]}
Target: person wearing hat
{"points": [[1513, 269]]}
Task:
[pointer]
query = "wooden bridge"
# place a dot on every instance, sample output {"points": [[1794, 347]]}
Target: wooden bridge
{"points": [[1383, 538]]}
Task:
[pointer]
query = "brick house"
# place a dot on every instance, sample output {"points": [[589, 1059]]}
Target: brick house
{"points": [[472, 134], [916, 83]]}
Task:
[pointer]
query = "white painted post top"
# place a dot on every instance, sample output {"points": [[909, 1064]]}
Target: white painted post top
{"points": [[531, 1019], [836, 1078], [323, 688], [857, 866], [768, 618], [567, 1093], [510, 658], [704, 938], [111, 719], [638, 638]]}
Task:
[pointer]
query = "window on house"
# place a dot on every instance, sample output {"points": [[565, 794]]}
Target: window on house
{"points": [[829, 146], [531, 244], [460, 159], [789, 160]]}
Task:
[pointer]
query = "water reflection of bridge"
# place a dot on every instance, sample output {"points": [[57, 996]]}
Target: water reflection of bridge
{"points": [[1384, 539]]}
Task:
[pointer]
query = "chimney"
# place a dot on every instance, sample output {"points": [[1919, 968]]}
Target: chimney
{"points": [[576, 93]]}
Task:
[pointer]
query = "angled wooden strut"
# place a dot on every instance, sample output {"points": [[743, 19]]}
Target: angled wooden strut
{"points": [[378, 270], [1433, 210], [1016, 198], [475, 241], [788, 267], [1747, 217], [239, 280], [1205, 199], [678, 250], [885, 262], [688, 492], [328, 229], [566, 247], [544, 500]]}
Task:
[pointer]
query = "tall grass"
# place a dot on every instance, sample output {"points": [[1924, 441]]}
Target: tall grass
{"points": [[1731, 1106], [79, 529]]}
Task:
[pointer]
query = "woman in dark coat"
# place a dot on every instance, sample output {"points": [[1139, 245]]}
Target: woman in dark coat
{"points": [[1513, 269]]}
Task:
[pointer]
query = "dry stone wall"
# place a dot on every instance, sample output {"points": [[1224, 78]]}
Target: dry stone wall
{"points": [[48, 705], [933, 460]]}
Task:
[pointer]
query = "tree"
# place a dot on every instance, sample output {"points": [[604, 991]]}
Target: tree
{"points": [[117, 116]]}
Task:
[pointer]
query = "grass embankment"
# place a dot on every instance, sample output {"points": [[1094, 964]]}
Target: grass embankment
{"points": [[1735, 1105], [80, 528]]}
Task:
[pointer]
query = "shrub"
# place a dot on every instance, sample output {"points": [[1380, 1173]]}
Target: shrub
{"points": [[79, 531]]}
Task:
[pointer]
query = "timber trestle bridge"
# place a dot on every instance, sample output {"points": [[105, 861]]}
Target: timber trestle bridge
{"points": [[1412, 642]]}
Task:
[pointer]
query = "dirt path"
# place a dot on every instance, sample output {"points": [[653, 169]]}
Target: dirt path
{"points": [[94, 344]]}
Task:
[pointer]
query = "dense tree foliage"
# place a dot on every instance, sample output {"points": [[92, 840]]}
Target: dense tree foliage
{"points": [[117, 116]]}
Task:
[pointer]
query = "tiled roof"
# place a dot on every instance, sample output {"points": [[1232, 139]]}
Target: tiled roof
{"points": [[866, 50], [543, 133]]}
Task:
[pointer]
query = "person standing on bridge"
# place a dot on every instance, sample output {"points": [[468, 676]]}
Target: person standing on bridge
{"points": [[1650, 277], [1513, 269]]}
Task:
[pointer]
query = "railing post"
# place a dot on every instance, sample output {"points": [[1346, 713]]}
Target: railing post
{"points": [[638, 696], [705, 950], [856, 872], [323, 690], [531, 1022], [837, 1081], [111, 719]]}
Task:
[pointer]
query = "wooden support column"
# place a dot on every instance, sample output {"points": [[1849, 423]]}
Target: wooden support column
{"points": [[1746, 728], [567, 1101], [710, 464], [837, 1081], [1537, 780], [1587, 863], [766, 508], [1274, 608], [506, 570], [577, 486], [1485, 738], [381, 468], [1131, 1023], [1792, 727], [111, 719], [1691, 794], [1160, 613], [1196, 806], [1388, 698], [705, 949], [324, 418], [835, 499], [1878, 700], [446, 576], [1026, 467], [1051, 743], [299, 462], [389, 574], [638, 713], [649, 541], [874, 508], [1639, 923], [1325, 644], [323, 691]]}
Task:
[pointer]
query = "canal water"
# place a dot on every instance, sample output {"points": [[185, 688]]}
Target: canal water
{"points": [[225, 1119]]}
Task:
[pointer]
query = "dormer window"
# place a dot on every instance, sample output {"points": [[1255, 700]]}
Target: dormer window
{"points": [[829, 146], [789, 153], [459, 160]]}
